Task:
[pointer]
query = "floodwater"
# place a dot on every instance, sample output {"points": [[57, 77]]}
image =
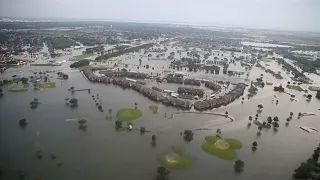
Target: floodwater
{"points": [[258, 44], [103, 153]]}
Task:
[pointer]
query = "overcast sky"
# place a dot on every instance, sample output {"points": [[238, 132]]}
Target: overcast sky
{"points": [[273, 14]]}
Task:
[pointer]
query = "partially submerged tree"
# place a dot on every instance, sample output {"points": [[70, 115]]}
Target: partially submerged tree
{"points": [[238, 165], [23, 122], [163, 173], [154, 138], [188, 135], [118, 124], [269, 119], [254, 146], [142, 130], [73, 102]]}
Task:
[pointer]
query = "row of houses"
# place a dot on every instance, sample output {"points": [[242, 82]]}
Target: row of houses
{"points": [[191, 91], [93, 78], [152, 93], [177, 80], [213, 86], [136, 75], [192, 82], [221, 101]]}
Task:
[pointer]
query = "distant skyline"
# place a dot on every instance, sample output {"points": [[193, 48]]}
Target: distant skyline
{"points": [[298, 15]]}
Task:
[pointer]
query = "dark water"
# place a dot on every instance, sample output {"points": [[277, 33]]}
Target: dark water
{"points": [[103, 153]]}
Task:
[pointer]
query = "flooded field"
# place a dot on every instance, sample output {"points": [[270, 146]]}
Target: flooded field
{"points": [[101, 152]]}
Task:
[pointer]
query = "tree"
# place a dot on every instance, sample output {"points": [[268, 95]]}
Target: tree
{"points": [[118, 124], [291, 114], [163, 173], [309, 96], [250, 118], [276, 119], [254, 144], [24, 80], [188, 135], [73, 102], [269, 119], [80, 63], [226, 113], [300, 114], [260, 106], [288, 120], [219, 131], [315, 155], [260, 128], [23, 122], [154, 138], [303, 171], [275, 124], [142, 130], [239, 165]]}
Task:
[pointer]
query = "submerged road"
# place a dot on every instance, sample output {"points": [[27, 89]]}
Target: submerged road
{"points": [[209, 113]]}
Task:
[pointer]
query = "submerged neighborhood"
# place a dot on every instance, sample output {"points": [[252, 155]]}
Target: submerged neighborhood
{"points": [[199, 97]]}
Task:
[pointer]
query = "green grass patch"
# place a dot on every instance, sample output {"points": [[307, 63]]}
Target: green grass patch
{"points": [[45, 85], [154, 109], [9, 82], [18, 90], [83, 56], [128, 114], [177, 149], [222, 148], [93, 67], [174, 161], [298, 88], [23, 88], [26, 85], [266, 60]]}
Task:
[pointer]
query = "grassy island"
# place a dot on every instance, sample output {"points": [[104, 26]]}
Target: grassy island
{"points": [[154, 109], [45, 85], [128, 114], [222, 148], [17, 90], [298, 88], [174, 161], [21, 88]]}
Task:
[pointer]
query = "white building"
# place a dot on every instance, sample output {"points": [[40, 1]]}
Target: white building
{"points": [[315, 56]]}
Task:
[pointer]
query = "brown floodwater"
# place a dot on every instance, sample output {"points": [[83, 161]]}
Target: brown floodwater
{"points": [[103, 153]]}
